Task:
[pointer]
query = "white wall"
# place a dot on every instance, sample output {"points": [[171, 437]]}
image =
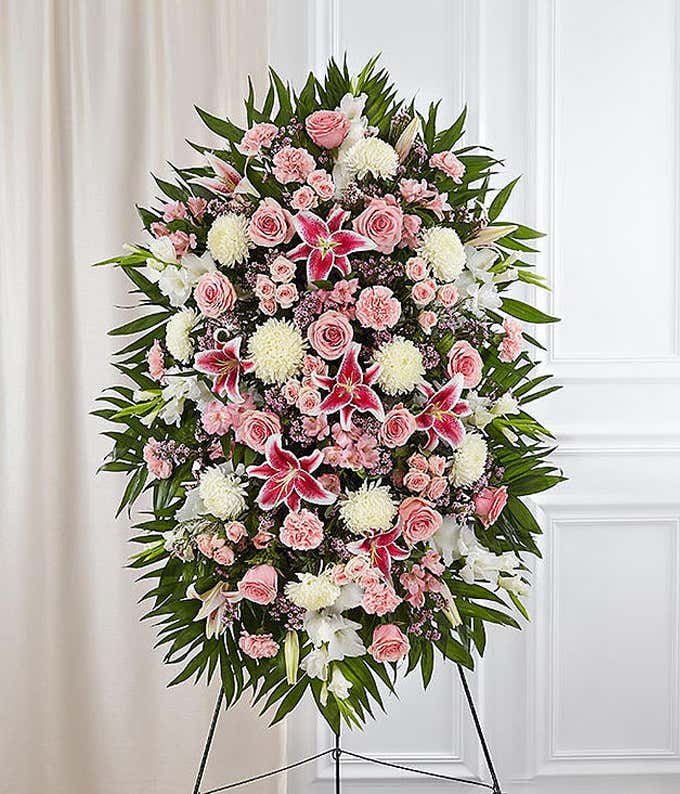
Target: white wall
{"points": [[582, 98]]}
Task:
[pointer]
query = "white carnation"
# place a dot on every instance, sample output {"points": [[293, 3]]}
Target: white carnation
{"points": [[228, 239], [222, 492], [441, 247], [401, 366], [372, 155], [177, 335], [276, 349], [369, 508], [468, 460], [313, 592]]}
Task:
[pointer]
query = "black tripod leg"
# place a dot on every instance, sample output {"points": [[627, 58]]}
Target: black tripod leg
{"points": [[336, 754], [208, 743], [480, 732]]}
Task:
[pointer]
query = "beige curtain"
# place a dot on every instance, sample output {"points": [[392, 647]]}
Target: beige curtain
{"points": [[93, 95]]}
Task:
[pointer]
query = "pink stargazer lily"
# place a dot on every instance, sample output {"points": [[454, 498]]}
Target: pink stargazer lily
{"points": [[382, 549], [325, 244], [350, 390], [225, 364], [226, 178], [288, 478], [440, 416]]}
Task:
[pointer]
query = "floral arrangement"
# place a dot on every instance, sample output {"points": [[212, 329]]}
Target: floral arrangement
{"points": [[326, 400]]}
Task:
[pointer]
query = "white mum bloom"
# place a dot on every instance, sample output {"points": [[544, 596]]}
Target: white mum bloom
{"points": [[276, 349], [469, 458], [401, 366], [222, 492], [369, 508], [441, 247], [372, 155], [177, 335], [313, 592], [228, 239]]}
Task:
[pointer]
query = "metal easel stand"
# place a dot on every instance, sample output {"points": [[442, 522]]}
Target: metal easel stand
{"points": [[337, 752]]}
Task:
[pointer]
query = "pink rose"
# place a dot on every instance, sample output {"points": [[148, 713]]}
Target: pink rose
{"points": [[235, 531], [436, 488], [308, 402], [301, 530], [427, 321], [465, 359], [423, 292], [398, 427], [286, 295], [389, 644], [511, 344], [258, 646], [437, 464], [377, 308], [155, 362], [416, 268], [216, 418], [313, 365], [256, 427], [356, 567], [292, 165], [259, 584], [449, 164], [156, 461], [214, 294], [331, 482], [379, 598], [270, 224], [204, 543], [416, 480], [322, 182], [304, 198], [327, 128], [410, 232], [259, 136], [418, 461], [282, 269], [447, 295], [489, 504], [224, 555], [330, 335], [419, 519], [381, 221]]}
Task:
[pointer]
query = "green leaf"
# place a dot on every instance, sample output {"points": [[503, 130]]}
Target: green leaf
{"points": [[525, 312], [501, 199], [291, 700], [140, 324], [427, 664], [222, 127]]}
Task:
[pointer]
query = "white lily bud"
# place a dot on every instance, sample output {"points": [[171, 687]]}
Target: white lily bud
{"points": [[291, 652], [451, 610], [491, 234], [406, 139]]}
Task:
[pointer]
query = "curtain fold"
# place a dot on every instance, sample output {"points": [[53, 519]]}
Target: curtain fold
{"points": [[93, 96]]}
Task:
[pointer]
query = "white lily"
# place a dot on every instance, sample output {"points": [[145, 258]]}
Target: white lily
{"points": [[405, 142], [315, 664], [214, 606], [492, 233], [339, 685]]}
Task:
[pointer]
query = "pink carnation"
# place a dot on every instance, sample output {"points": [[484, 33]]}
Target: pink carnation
{"points": [[389, 644], [260, 584], [292, 165], [258, 646], [381, 221], [327, 128], [155, 362], [259, 136], [301, 530], [378, 308], [465, 359], [214, 294], [217, 418], [380, 598], [271, 224], [511, 344], [449, 164]]}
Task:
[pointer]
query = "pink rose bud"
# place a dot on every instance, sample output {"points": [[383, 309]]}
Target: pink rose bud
{"points": [[382, 221], [270, 224], [389, 644], [259, 584], [465, 359], [327, 128], [214, 294], [489, 504]]}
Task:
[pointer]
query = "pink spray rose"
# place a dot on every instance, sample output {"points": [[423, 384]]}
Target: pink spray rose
{"points": [[381, 221], [398, 427], [308, 401], [286, 295], [259, 136], [489, 504], [258, 646], [322, 182], [327, 128], [214, 294], [427, 321], [465, 359], [330, 335], [292, 165], [265, 289], [419, 519], [416, 268], [436, 464], [447, 295], [256, 427], [416, 481], [235, 531], [377, 308], [436, 488], [259, 584], [423, 292], [301, 530], [418, 461], [271, 225], [449, 164], [282, 269], [224, 555], [304, 198], [389, 644]]}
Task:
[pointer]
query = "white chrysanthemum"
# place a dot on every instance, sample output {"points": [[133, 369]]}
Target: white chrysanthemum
{"points": [[374, 156], [369, 508], [228, 239], [441, 247], [505, 404], [177, 335], [222, 492], [401, 366], [276, 349], [312, 592], [468, 460]]}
